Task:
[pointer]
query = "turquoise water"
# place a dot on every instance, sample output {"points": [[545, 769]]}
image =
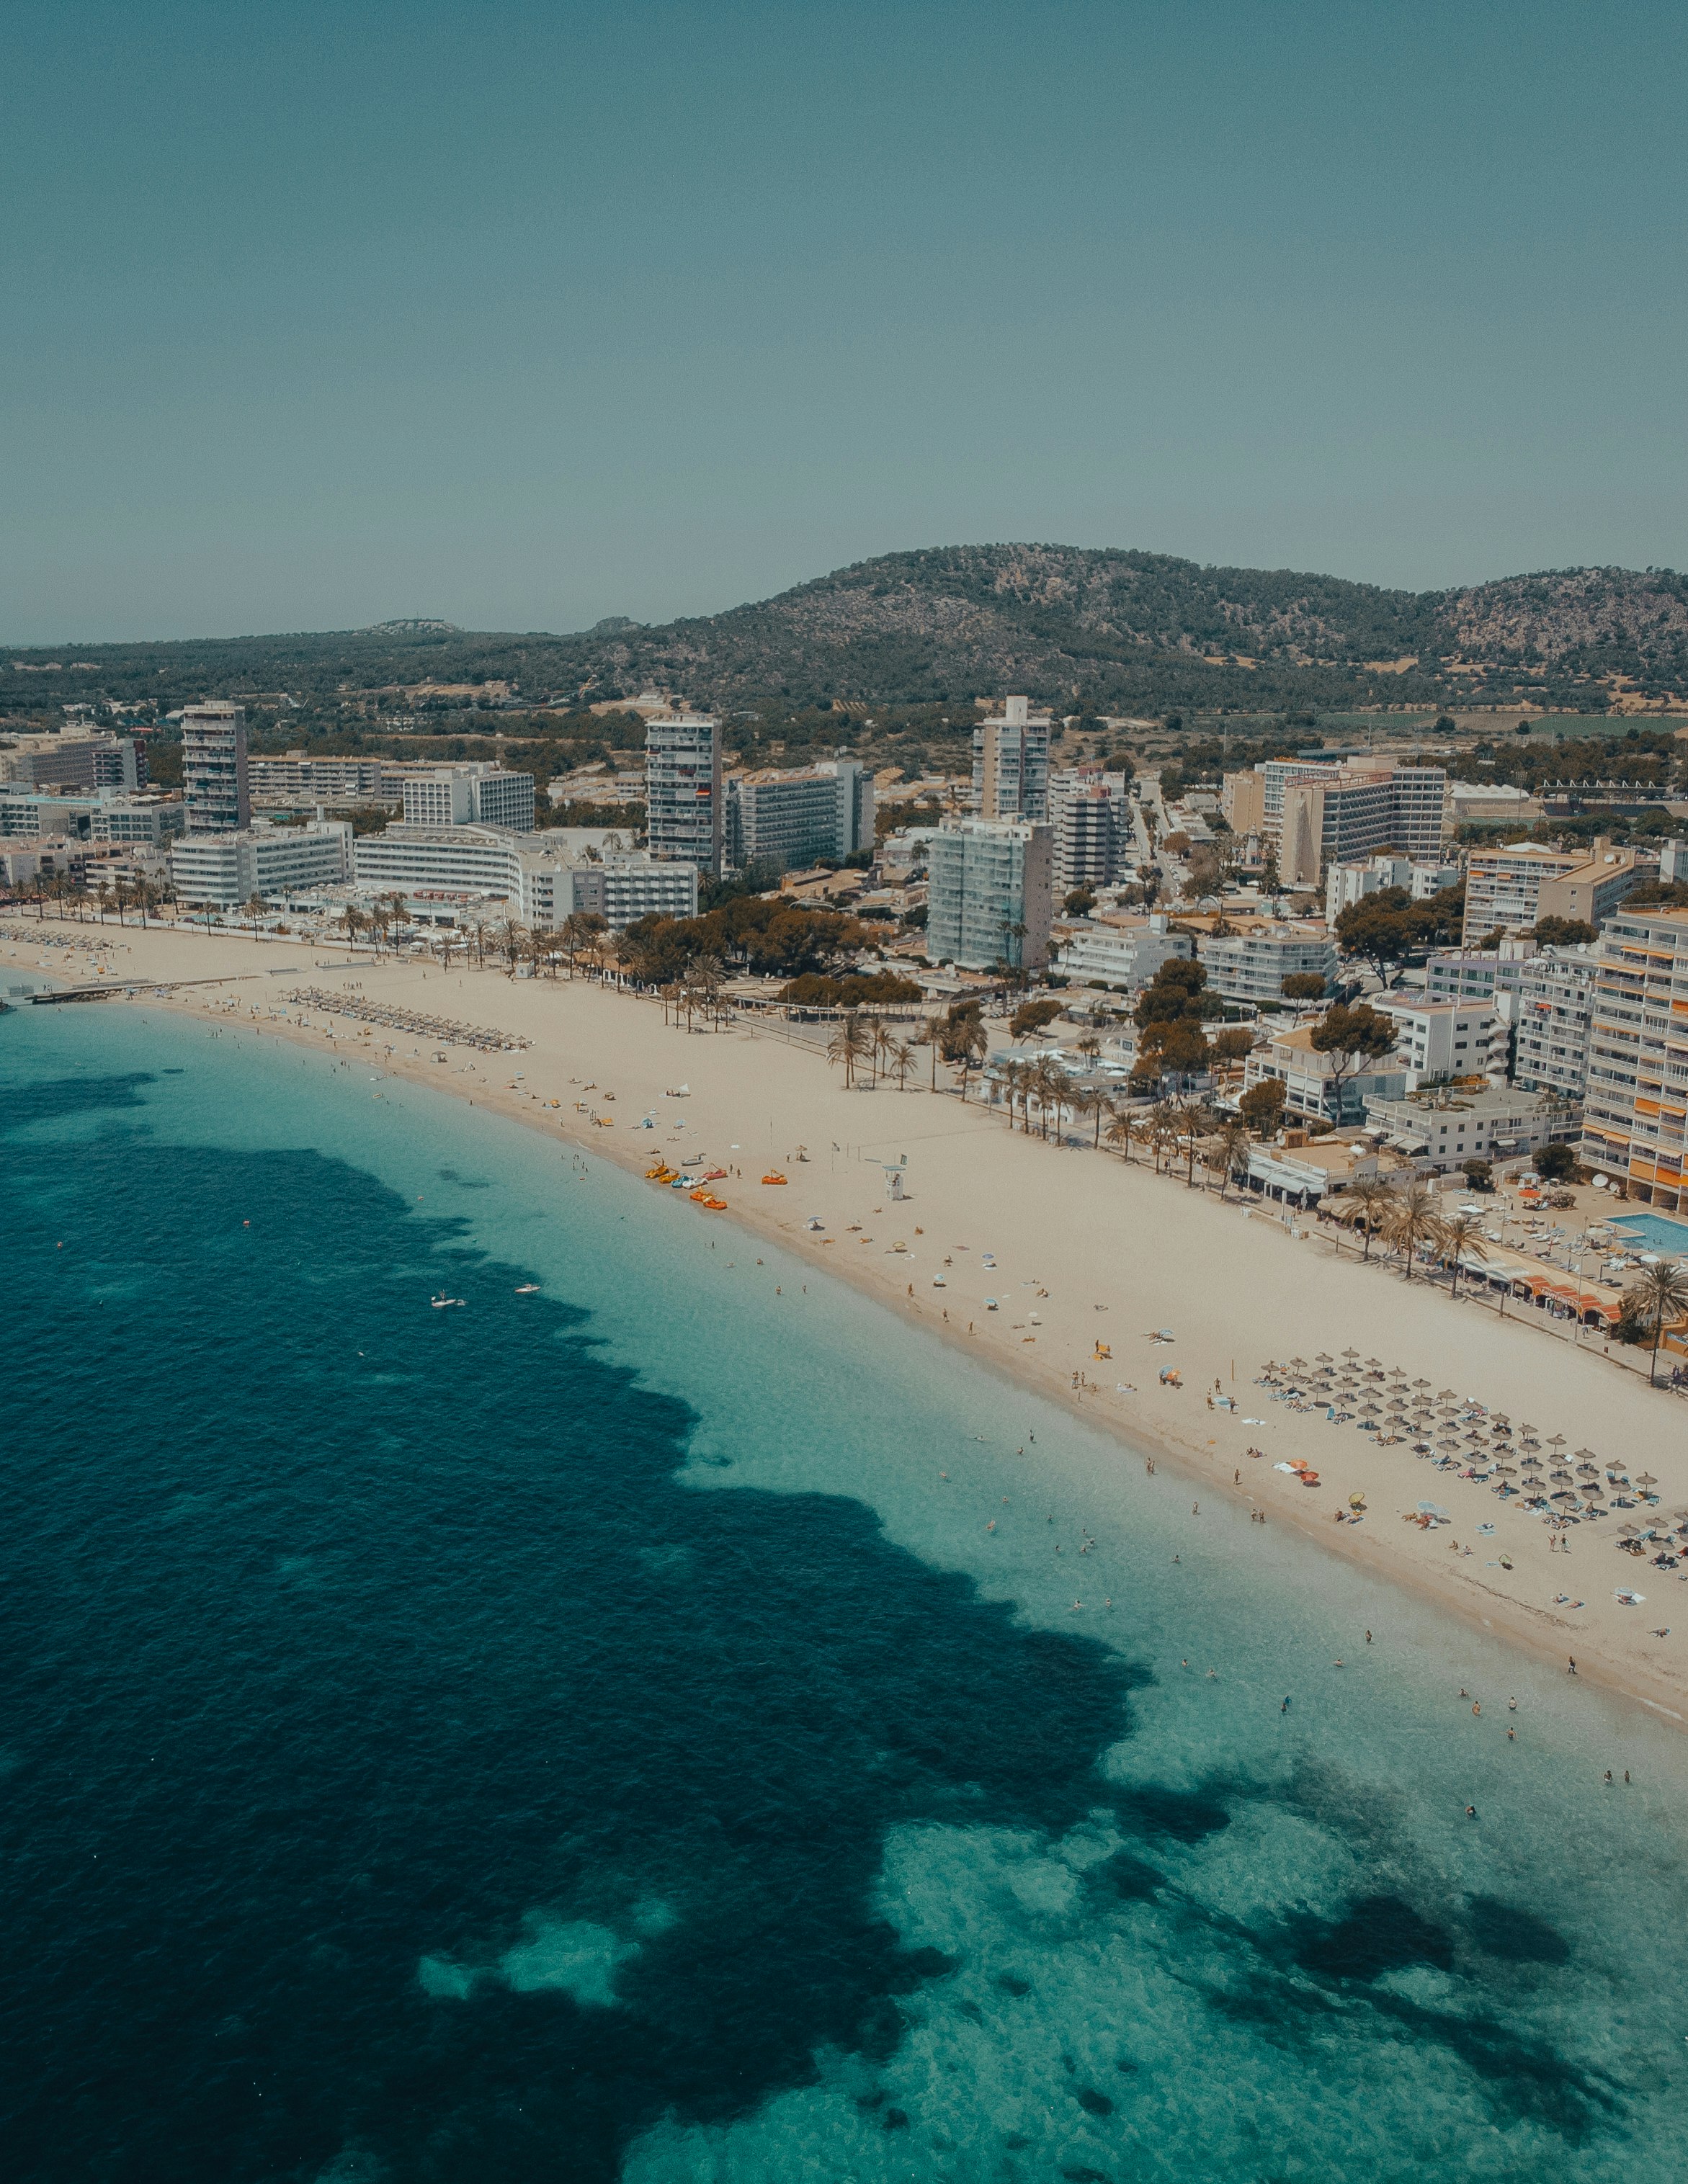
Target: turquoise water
{"points": [[586, 1734], [1652, 1232]]}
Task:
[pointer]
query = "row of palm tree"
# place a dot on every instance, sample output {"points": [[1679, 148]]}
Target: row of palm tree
{"points": [[75, 897], [1411, 1222], [875, 1047]]}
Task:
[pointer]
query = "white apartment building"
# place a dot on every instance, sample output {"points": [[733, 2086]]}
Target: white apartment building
{"points": [[799, 816], [1122, 955], [1317, 812], [1011, 763], [225, 869], [1252, 966], [988, 886], [621, 890], [1474, 974], [685, 817], [1321, 1084], [215, 786], [1438, 1131], [530, 872], [1635, 1116], [1090, 820], [1508, 889], [83, 759], [521, 870], [281, 782], [1438, 1039], [477, 795], [152, 821], [1552, 1019], [1346, 885]]}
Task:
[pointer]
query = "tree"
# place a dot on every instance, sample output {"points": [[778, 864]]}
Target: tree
{"points": [[1261, 1106], [1080, 901], [1091, 1099], [847, 1044], [1230, 1149], [1380, 929], [578, 931], [1557, 1163], [1030, 1017], [1461, 1238], [1479, 1174], [1234, 1044], [1373, 1199], [254, 909], [1658, 1298], [507, 936], [1303, 986], [964, 1044], [1414, 1217], [1123, 1131], [902, 1066], [1350, 1035], [1562, 932]]}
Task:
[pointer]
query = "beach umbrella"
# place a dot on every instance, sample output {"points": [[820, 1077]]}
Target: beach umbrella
{"points": [[1350, 1353], [1374, 1364], [1585, 1456], [1560, 1477], [1555, 1441], [1646, 1478], [1421, 1383], [1298, 1364], [1508, 1470], [1322, 1356]]}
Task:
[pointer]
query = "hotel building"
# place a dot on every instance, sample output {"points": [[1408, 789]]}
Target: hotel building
{"points": [[1635, 1115]]}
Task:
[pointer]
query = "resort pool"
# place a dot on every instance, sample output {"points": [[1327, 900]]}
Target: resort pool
{"points": [[1653, 1232]]}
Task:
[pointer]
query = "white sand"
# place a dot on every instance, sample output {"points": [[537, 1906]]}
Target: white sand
{"points": [[1233, 1286]]}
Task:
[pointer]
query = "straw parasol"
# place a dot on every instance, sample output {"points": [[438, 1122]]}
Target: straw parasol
{"points": [[1646, 1478]]}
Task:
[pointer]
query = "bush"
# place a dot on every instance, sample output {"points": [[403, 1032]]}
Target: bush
{"points": [[858, 990]]}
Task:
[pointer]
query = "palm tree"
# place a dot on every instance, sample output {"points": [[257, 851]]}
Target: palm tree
{"points": [[1230, 1148], [1164, 1117], [1090, 1046], [1658, 1298], [1373, 1199], [1093, 1101], [846, 1045], [902, 1066], [1059, 1095], [353, 920], [254, 909], [964, 1044], [1414, 1217], [1123, 1130], [884, 1046], [578, 930], [1460, 1238], [508, 936]]}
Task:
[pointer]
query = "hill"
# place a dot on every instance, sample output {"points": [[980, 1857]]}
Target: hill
{"points": [[1089, 629]]}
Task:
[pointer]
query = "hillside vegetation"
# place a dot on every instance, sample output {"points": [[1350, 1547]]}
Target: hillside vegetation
{"points": [[1084, 629]]}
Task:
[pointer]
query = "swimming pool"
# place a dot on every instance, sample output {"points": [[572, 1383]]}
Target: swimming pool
{"points": [[1653, 1232]]}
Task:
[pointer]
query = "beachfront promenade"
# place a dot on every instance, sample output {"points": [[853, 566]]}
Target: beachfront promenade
{"points": [[1090, 1258]]}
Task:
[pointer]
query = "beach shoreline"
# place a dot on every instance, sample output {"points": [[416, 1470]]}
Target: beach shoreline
{"points": [[1219, 1272]]}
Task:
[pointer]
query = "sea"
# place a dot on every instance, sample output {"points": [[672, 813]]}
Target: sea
{"points": [[665, 1717]]}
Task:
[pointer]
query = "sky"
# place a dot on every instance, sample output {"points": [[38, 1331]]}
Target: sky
{"points": [[317, 315]]}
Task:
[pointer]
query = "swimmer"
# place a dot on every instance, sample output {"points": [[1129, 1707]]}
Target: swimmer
{"points": [[1511, 1705], [1284, 1708], [1471, 1812], [1368, 1637], [1477, 1706]]}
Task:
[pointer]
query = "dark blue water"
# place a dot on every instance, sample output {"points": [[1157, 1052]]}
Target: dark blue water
{"points": [[334, 1634], [436, 1747]]}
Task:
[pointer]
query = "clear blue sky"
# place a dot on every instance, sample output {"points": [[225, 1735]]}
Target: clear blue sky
{"points": [[318, 314]]}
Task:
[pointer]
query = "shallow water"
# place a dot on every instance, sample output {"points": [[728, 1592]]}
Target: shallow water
{"points": [[584, 1733]]}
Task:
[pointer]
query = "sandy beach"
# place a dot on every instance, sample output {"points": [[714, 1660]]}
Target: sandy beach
{"points": [[1087, 1250]]}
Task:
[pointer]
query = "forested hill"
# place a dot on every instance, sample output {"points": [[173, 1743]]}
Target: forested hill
{"points": [[1090, 629]]}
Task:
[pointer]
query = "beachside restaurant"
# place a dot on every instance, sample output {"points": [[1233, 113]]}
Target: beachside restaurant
{"points": [[1549, 1289]]}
